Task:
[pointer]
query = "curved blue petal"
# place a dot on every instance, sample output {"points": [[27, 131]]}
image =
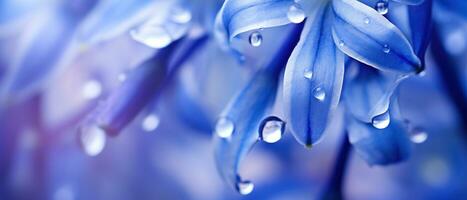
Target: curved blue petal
{"points": [[368, 94], [365, 35], [241, 118], [420, 19], [239, 16], [142, 85], [46, 44], [313, 79], [14, 9], [410, 2], [380, 146]]}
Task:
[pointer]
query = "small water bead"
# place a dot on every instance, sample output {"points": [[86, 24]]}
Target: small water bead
{"points": [[296, 14], [418, 135], [153, 36], [224, 127], [319, 93], [245, 187], [181, 15], [382, 7], [341, 43], [386, 49], [256, 39], [381, 121], [271, 129], [92, 139], [308, 74], [150, 123], [92, 89], [366, 20]]}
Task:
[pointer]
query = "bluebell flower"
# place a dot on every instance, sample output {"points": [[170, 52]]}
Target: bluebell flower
{"points": [[377, 43]]}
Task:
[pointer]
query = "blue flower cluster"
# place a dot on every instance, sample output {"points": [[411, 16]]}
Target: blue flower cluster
{"points": [[371, 76]]}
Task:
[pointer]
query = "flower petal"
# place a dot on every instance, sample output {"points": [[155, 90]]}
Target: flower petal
{"points": [[410, 2], [368, 94], [240, 16], [420, 23], [380, 146], [241, 118], [313, 79], [142, 85], [457, 6], [365, 35]]}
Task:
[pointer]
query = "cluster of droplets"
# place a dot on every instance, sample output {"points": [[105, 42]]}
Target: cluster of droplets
{"points": [[319, 93], [271, 129], [158, 36]]}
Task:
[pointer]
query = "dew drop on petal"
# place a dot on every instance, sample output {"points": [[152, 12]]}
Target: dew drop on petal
{"points": [[245, 187], [271, 129], [366, 20], [386, 49], [255, 39], [381, 121], [150, 123], [92, 139], [296, 14], [319, 93], [341, 43], [181, 15], [153, 36], [224, 127], [308, 74], [382, 7], [91, 89], [418, 135]]}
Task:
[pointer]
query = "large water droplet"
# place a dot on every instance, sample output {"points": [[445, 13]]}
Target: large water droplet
{"points": [[386, 49], [154, 36], [256, 39], [150, 123], [92, 139], [296, 14], [381, 121], [308, 74], [382, 7], [91, 89], [319, 93], [418, 135], [224, 127], [271, 129], [181, 15], [245, 187]]}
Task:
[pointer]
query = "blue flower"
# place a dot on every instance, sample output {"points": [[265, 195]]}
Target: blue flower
{"points": [[367, 41]]}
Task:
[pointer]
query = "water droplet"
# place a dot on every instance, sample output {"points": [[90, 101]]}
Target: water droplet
{"points": [[224, 127], [366, 20], [150, 123], [153, 36], [382, 7], [256, 39], [386, 49], [341, 43], [245, 187], [319, 93], [92, 139], [418, 135], [296, 14], [308, 74], [181, 15], [121, 77], [92, 89], [422, 73], [271, 129], [381, 121]]}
